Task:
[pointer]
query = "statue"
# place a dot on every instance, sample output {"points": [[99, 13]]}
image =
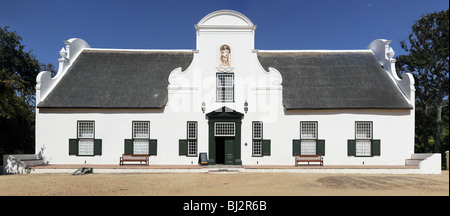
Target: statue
{"points": [[225, 53]]}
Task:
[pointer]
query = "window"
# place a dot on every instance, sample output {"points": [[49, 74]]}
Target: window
{"points": [[261, 147], [309, 142], [363, 135], [141, 136], [141, 130], [308, 136], [188, 147], [363, 145], [257, 130], [85, 138], [140, 146], [363, 130], [85, 144], [308, 130], [225, 87], [192, 147], [192, 130], [224, 128], [192, 138], [257, 138], [140, 142], [85, 129]]}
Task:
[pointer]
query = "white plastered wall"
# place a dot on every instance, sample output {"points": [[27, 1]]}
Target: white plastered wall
{"points": [[188, 88]]}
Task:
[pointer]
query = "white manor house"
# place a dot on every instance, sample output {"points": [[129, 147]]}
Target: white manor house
{"points": [[237, 104]]}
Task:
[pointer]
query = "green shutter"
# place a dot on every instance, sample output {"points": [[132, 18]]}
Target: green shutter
{"points": [[152, 146], [320, 147], [266, 147], [183, 147], [73, 146], [296, 145], [97, 147], [351, 147], [376, 147], [128, 146]]}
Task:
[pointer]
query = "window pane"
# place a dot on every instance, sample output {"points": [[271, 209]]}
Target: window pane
{"points": [[224, 128], [86, 147], [140, 146], [363, 147], [257, 147], [308, 130], [257, 130], [192, 130], [225, 94], [308, 147], [192, 147], [85, 129], [225, 80], [225, 87], [141, 130], [363, 130]]}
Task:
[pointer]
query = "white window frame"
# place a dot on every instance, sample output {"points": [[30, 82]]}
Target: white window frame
{"points": [[141, 137], [192, 129], [363, 130], [225, 87], [85, 135], [257, 134], [308, 130], [363, 137], [86, 129], [224, 128], [257, 147], [308, 137], [363, 147], [140, 146], [141, 130], [86, 147], [257, 130], [192, 147]]}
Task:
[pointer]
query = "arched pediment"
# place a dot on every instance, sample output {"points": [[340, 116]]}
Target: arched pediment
{"points": [[226, 17]]}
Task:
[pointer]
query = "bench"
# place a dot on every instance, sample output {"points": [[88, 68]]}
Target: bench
{"points": [[308, 158], [134, 158]]}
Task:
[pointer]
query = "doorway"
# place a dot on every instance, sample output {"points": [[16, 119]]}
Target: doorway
{"points": [[220, 150], [225, 150], [224, 142]]}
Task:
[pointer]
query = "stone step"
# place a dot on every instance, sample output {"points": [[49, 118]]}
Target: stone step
{"points": [[421, 156], [413, 162], [33, 162]]}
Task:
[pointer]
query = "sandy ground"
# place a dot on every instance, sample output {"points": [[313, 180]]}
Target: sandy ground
{"points": [[228, 184]]}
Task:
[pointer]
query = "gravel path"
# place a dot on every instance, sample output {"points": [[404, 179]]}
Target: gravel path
{"points": [[230, 184]]}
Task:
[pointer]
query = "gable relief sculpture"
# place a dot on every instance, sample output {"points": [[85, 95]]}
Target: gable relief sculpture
{"points": [[225, 59], [225, 56]]}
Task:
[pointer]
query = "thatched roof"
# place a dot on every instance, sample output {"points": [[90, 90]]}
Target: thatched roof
{"points": [[334, 80], [311, 80], [117, 79]]}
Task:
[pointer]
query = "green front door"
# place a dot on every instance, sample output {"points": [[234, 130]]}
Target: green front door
{"points": [[229, 151], [224, 141]]}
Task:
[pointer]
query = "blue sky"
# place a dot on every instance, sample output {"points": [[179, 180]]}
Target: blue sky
{"points": [[169, 24]]}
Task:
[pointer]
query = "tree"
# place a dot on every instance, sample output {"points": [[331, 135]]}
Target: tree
{"points": [[427, 60], [18, 71]]}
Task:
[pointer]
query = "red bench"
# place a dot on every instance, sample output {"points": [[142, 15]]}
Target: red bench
{"points": [[308, 158], [134, 158]]}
